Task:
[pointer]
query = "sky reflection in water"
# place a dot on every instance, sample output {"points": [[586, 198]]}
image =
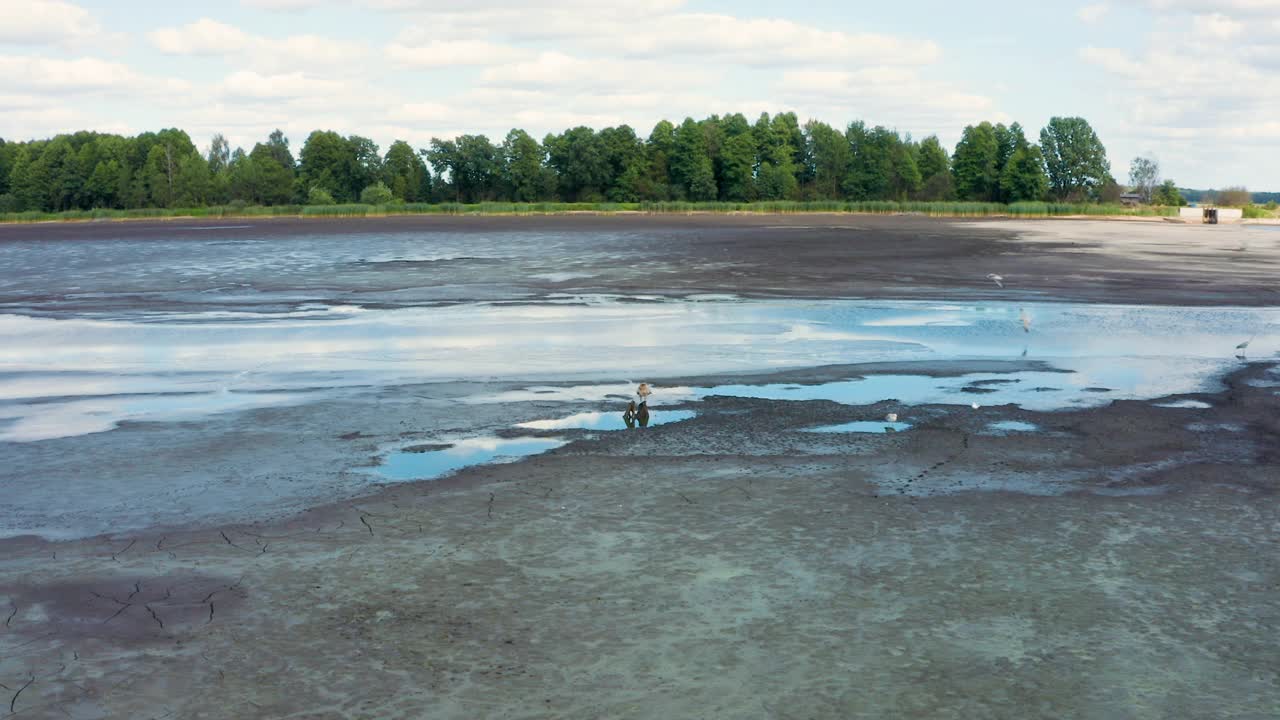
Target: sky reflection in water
{"points": [[205, 363]]}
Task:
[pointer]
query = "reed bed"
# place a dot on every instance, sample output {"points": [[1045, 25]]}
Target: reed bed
{"points": [[877, 207]]}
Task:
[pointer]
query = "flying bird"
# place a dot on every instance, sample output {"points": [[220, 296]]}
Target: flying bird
{"points": [[999, 281]]}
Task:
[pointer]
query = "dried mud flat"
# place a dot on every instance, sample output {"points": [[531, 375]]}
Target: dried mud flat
{"points": [[1114, 564], [1121, 562]]}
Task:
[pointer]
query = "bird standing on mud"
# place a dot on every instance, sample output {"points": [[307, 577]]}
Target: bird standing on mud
{"points": [[1243, 347]]}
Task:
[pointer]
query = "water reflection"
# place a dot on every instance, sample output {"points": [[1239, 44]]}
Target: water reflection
{"points": [[864, 426], [608, 421], [409, 464], [1137, 352], [1013, 426]]}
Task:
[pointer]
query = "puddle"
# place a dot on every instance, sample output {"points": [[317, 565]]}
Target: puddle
{"points": [[1185, 405], [30, 422], [607, 420], [1013, 426], [1037, 390], [291, 343], [406, 465], [1216, 427], [864, 426]]}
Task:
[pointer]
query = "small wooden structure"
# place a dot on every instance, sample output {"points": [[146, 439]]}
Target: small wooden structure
{"points": [[1211, 215]]}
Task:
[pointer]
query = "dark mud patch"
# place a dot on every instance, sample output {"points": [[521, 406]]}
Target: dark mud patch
{"points": [[125, 610], [425, 448]]}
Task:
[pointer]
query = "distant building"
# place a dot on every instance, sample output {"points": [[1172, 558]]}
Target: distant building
{"points": [[1130, 199], [1211, 215]]}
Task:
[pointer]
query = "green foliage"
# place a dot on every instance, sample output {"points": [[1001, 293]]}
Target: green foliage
{"points": [[1236, 196], [770, 165], [881, 207], [1023, 177], [319, 196], [1167, 194], [1144, 176], [341, 166], [377, 194], [691, 168], [579, 159], [471, 163], [976, 164], [933, 159], [524, 175], [1075, 158], [404, 172]]}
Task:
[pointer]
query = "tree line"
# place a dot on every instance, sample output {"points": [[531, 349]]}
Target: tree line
{"points": [[719, 158]]}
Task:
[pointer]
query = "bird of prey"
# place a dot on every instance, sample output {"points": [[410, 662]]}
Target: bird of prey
{"points": [[999, 281]]}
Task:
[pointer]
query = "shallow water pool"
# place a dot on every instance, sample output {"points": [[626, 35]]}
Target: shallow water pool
{"points": [[405, 465], [606, 420], [864, 426]]}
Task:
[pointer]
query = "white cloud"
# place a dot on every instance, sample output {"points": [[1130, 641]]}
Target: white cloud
{"points": [[203, 37], [37, 22], [212, 38], [556, 69], [649, 32], [249, 85], [1203, 91], [1093, 13], [896, 97], [1218, 26], [766, 41], [597, 6], [489, 65], [453, 53], [85, 76], [1233, 6], [283, 5]]}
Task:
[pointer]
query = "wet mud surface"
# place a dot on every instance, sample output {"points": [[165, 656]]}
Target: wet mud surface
{"points": [[375, 262], [1114, 563], [1117, 559]]}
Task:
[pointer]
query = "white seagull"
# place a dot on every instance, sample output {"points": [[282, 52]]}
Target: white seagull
{"points": [[999, 281], [1026, 320]]}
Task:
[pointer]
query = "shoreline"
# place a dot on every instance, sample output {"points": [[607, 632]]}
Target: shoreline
{"points": [[612, 213]]}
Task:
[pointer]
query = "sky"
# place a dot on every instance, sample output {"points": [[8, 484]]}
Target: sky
{"points": [[1194, 84]]}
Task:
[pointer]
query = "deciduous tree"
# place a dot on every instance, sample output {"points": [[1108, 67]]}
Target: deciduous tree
{"points": [[1144, 176], [1075, 158]]}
